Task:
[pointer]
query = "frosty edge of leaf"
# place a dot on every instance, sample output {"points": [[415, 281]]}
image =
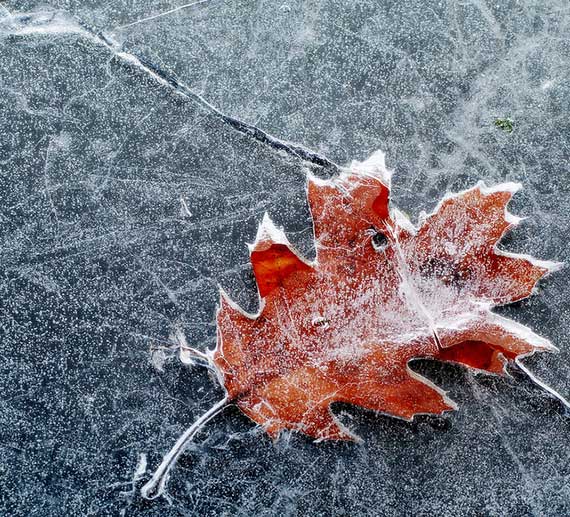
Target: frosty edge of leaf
{"points": [[344, 327]]}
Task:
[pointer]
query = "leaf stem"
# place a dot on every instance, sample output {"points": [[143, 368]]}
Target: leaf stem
{"points": [[156, 485]]}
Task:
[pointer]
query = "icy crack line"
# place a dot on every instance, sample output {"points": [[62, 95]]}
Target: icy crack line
{"points": [[38, 23], [160, 15]]}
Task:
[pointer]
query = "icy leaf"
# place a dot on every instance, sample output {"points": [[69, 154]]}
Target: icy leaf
{"points": [[380, 293]]}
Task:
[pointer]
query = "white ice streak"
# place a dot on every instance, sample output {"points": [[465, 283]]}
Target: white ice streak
{"points": [[164, 13]]}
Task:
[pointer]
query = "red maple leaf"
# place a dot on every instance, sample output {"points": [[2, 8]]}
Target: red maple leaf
{"points": [[380, 293]]}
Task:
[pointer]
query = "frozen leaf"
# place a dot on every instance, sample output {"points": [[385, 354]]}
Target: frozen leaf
{"points": [[380, 293], [344, 328]]}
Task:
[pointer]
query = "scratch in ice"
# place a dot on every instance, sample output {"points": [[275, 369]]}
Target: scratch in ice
{"points": [[160, 15]]}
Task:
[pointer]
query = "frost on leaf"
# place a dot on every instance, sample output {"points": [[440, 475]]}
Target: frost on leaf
{"points": [[380, 293]]}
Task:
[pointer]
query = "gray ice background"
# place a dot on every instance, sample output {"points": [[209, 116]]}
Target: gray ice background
{"points": [[123, 206]]}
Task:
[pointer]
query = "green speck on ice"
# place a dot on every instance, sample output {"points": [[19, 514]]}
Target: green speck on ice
{"points": [[506, 124]]}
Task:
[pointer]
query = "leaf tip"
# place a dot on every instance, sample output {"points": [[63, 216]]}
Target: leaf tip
{"points": [[513, 220], [403, 221], [548, 266], [552, 266], [228, 306], [314, 180], [374, 165], [267, 232]]}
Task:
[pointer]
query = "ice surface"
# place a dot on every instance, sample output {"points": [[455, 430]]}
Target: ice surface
{"points": [[124, 204]]}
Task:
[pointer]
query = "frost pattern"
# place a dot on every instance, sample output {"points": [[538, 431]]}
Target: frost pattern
{"points": [[125, 205]]}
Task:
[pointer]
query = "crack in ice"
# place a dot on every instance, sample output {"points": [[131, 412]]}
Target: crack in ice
{"points": [[43, 22]]}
